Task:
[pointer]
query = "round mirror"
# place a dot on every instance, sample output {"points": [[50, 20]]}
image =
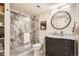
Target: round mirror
{"points": [[60, 20]]}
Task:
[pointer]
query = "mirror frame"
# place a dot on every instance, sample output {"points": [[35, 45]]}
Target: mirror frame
{"points": [[65, 25]]}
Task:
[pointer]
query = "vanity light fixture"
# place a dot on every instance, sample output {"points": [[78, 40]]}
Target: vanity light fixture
{"points": [[59, 7]]}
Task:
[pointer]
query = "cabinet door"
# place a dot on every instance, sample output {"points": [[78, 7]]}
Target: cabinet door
{"points": [[69, 47], [54, 47], [59, 47]]}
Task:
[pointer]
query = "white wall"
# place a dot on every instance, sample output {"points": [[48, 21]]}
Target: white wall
{"points": [[77, 17], [47, 17]]}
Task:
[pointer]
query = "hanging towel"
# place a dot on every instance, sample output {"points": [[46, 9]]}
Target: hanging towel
{"points": [[27, 42]]}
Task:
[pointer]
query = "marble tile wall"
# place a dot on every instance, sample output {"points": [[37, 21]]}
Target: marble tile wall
{"points": [[18, 27]]}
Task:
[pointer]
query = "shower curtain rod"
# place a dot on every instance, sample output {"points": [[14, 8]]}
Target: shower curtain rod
{"points": [[18, 12]]}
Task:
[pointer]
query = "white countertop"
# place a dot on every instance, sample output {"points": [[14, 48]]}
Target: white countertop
{"points": [[72, 37]]}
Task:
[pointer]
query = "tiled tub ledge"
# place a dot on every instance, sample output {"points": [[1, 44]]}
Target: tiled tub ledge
{"points": [[22, 52]]}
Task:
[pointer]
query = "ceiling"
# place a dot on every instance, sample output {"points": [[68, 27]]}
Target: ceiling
{"points": [[31, 8]]}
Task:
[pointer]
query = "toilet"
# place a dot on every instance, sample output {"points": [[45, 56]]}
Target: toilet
{"points": [[36, 48]]}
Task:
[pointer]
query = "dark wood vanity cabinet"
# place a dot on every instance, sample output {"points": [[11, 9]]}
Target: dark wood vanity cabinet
{"points": [[59, 47]]}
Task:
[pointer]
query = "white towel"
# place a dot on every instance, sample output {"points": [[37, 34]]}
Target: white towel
{"points": [[27, 41]]}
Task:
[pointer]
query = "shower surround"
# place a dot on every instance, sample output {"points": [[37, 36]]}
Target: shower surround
{"points": [[18, 27]]}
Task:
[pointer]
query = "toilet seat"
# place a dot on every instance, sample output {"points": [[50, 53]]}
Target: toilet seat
{"points": [[37, 46], [36, 49]]}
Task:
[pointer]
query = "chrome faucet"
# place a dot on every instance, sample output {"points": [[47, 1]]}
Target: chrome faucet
{"points": [[59, 34]]}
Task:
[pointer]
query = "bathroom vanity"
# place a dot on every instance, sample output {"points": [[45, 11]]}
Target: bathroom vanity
{"points": [[60, 46]]}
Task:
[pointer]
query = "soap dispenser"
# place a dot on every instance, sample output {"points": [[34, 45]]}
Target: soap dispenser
{"points": [[62, 34]]}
